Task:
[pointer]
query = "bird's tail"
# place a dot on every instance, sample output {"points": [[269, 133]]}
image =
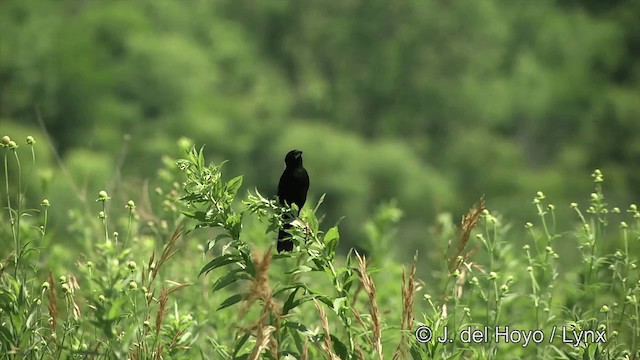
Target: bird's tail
{"points": [[285, 243]]}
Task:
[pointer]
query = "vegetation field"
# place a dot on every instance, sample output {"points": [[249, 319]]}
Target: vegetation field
{"points": [[474, 174], [196, 277]]}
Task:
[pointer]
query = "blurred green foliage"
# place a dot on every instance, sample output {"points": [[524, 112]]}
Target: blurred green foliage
{"points": [[430, 103]]}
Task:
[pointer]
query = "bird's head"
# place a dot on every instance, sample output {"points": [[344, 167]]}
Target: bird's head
{"points": [[294, 157]]}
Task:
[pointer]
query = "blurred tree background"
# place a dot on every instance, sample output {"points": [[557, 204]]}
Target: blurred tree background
{"points": [[430, 103]]}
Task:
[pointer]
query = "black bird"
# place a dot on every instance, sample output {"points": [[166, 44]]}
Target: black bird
{"points": [[292, 189]]}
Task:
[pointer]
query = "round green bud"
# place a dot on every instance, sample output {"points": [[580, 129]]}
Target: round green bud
{"points": [[65, 288], [12, 145], [6, 140], [30, 140], [103, 196], [604, 309], [45, 203], [132, 265]]}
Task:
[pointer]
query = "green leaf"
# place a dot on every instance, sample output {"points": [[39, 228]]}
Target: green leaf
{"points": [[331, 239], [337, 304], [6, 334], [319, 202], [230, 278], [295, 329], [248, 261], [233, 185], [239, 344], [272, 227], [292, 286], [300, 269], [312, 220], [234, 225], [415, 354], [220, 261], [339, 348], [297, 326], [231, 300], [290, 303], [296, 302]]}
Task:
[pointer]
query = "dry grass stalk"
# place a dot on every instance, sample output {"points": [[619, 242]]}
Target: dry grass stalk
{"points": [[176, 286], [370, 289], [174, 342], [260, 290], [150, 265], [135, 354], [469, 221], [167, 252], [162, 309], [153, 267], [263, 340], [328, 345], [53, 302], [360, 320], [460, 282], [305, 351], [73, 285], [159, 350], [408, 291]]}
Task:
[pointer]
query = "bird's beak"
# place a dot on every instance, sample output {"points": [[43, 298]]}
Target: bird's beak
{"points": [[298, 153]]}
